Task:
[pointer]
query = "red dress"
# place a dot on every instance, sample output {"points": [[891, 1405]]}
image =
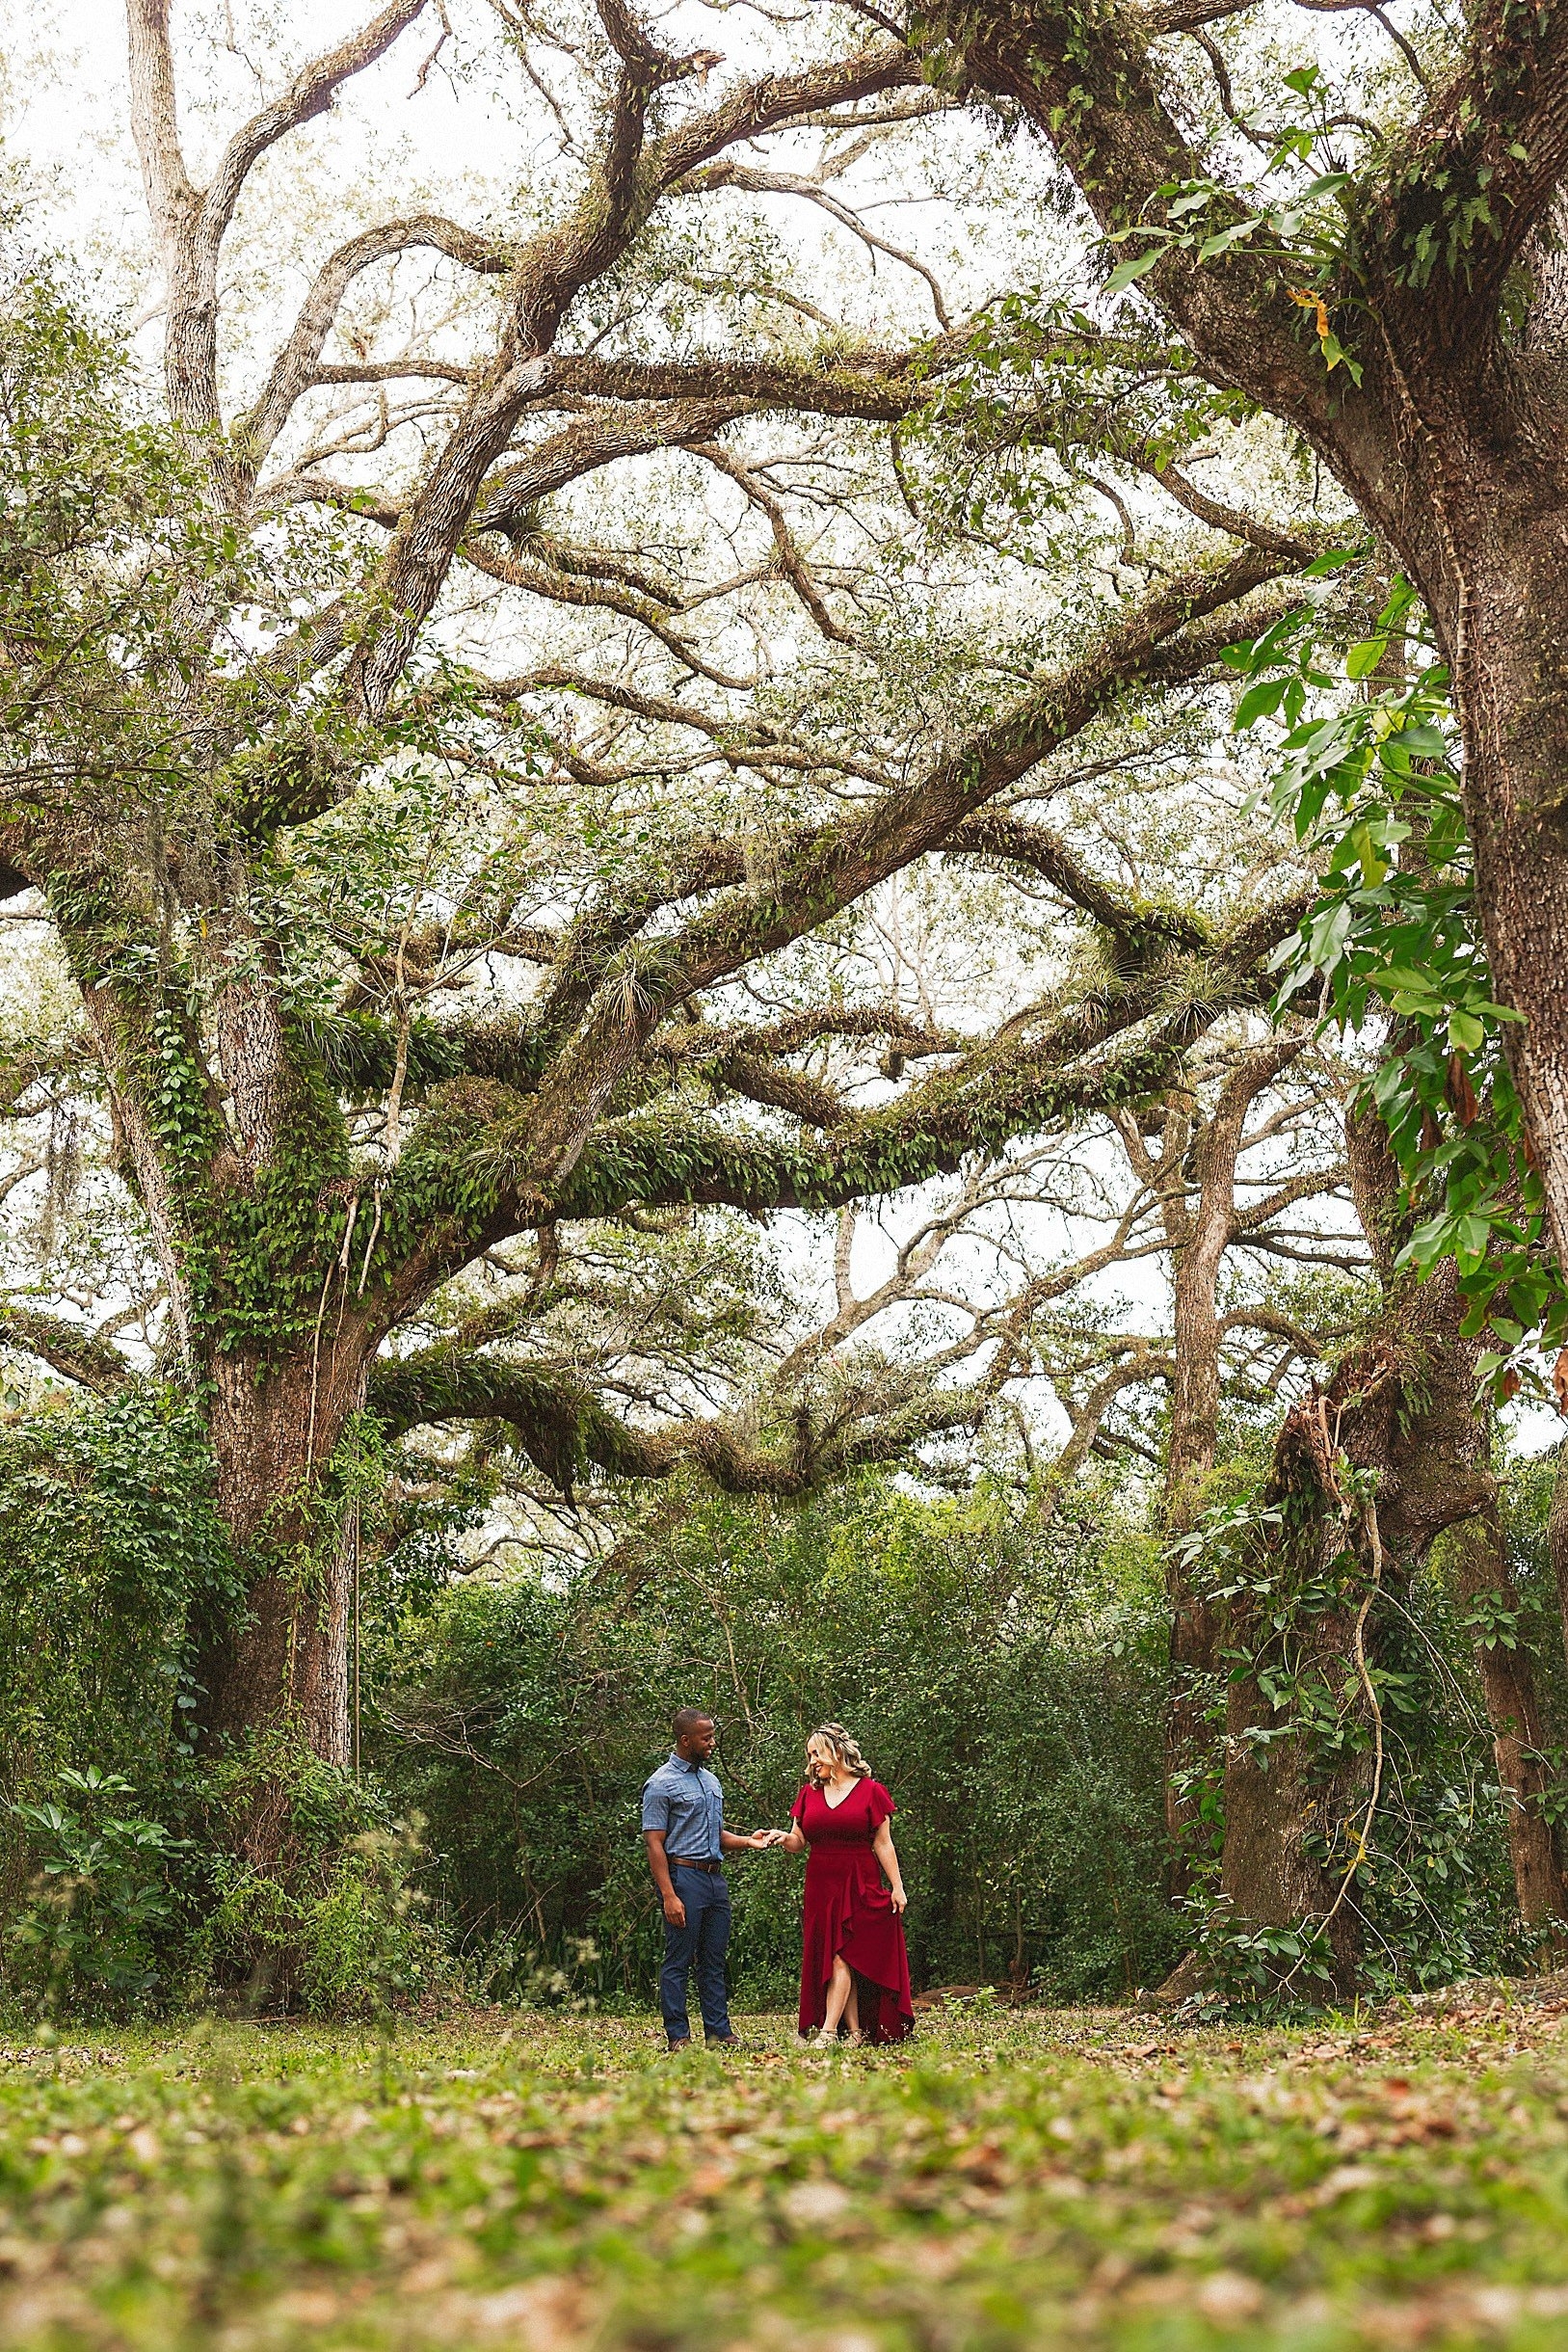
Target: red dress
{"points": [[849, 1911]]}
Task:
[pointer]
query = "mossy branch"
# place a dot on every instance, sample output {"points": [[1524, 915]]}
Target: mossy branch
{"points": [[568, 1433], [67, 1348]]}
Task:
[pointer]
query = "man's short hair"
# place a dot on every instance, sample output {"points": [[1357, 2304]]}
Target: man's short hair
{"points": [[688, 1718]]}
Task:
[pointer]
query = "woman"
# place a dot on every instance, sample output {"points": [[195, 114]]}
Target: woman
{"points": [[854, 1966]]}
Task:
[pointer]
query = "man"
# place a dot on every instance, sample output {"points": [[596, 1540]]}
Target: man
{"points": [[683, 1825]]}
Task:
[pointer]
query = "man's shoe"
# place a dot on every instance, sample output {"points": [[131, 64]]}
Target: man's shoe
{"points": [[670, 2048]]}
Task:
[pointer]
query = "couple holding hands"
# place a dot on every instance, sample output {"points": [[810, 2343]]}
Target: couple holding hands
{"points": [[853, 1978]]}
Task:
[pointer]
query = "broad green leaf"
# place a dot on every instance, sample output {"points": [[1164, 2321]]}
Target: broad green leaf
{"points": [[1258, 701], [1138, 265], [1421, 741], [1329, 184], [1334, 559], [1335, 355], [1223, 239]]}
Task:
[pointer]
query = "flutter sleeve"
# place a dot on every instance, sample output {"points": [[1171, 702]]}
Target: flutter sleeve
{"points": [[883, 1808], [797, 1811]]}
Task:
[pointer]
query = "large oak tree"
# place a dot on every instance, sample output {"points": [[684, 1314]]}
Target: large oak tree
{"points": [[392, 954]]}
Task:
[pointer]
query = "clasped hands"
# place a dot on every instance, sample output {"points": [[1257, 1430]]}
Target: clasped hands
{"points": [[761, 1839]]}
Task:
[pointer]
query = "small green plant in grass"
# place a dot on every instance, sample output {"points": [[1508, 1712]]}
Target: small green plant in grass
{"points": [[366, 1949], [514, 1970], [1269, 1967]]}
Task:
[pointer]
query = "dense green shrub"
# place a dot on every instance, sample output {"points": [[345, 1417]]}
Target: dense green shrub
{"points": [[103, 1902], [1434, 1888], [123, 1878], [109, 1549], [336, 1923]]}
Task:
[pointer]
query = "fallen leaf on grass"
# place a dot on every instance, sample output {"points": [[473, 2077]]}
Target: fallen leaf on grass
{"points": [[539, 2316], [709, 2179], [983, 2166], [810, 2204], [1343, 2182], [1418, 2128], [426, 2278], [1397, 2324], [306, 2306], [1229, 2299]]}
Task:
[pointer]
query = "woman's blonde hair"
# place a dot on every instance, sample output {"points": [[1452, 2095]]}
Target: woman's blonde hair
{"points": [[844, 1748]]}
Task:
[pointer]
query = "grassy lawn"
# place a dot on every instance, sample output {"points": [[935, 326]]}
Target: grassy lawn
{"points": [[1077, 2177]]}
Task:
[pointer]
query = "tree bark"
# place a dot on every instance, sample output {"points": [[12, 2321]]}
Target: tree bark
{"points": [[284, 1664], [1439, 1476], [1481, 1566], [1195, 1176], [1403, 1407], [1557, 1537], [1292, 1824]]}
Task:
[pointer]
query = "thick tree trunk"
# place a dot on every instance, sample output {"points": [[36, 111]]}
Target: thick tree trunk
{"points": [[1292, 1824], [1513, 1711], [284, 1664], [1196, 1262], [1439, 1477], [1557, 1537], [1402, 1407], [1513, 689]]}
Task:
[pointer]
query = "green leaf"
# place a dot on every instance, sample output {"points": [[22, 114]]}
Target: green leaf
{"points": [[1258, 701], [1138, 265], [1401, 975], [1224, 238], [1333, 559], [1421, 741], [1363, 659], [1335, 355]]}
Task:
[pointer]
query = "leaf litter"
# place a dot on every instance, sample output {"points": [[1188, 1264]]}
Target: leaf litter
{"points": [[1035, 2178]]}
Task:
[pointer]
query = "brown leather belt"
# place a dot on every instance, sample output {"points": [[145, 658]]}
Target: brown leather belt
{"points": [[679, 1861]]}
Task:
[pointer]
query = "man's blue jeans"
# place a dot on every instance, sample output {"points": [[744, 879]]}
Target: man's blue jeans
{"points": [[700, 1944]]}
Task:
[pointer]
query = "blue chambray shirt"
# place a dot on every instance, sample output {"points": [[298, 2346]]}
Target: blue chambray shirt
{"points": [[687, 1804]]}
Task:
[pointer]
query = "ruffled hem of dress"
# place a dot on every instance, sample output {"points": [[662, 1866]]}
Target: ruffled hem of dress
{"points": [[839, 1942]]}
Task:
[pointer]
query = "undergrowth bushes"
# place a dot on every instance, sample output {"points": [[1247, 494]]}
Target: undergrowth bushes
{"points": [[108, 1545], [124, 1883], [1007, 1686], [1006, 1679]]}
